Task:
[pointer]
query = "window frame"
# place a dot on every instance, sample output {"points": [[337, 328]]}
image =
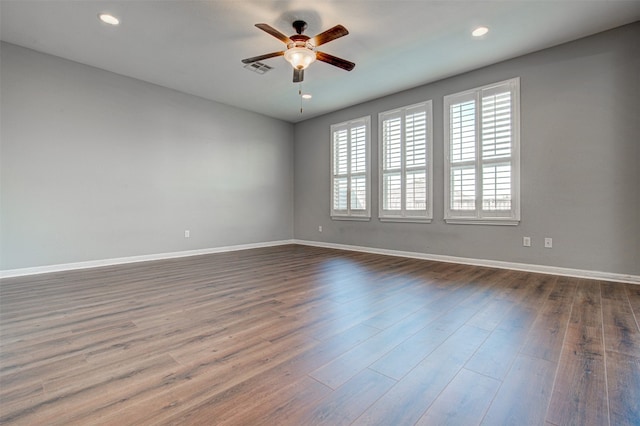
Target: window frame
{"points": [[405, 215], [349, 213], [478, 215]]}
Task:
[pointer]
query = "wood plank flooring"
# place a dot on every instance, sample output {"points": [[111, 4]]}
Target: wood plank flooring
{"points": [[296, 335]]}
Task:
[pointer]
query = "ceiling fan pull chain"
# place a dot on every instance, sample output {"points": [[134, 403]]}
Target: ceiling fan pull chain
{"points": [[300, 94]]}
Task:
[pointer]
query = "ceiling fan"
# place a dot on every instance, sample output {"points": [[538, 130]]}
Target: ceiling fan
{"points": [[301, 49]]}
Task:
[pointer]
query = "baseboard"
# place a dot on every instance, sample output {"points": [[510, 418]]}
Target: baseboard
{"points": [[543, 269], [10, 273]]}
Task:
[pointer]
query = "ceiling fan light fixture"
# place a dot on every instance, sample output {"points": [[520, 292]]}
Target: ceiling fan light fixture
{"points": [[300, 57]]}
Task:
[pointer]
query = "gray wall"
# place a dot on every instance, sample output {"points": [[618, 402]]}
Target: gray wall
{"points": [[580, 163], [95, 166]]}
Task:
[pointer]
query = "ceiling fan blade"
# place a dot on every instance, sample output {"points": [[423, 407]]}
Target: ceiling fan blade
{"points": [[331, 34], [277, 34], [261, 57], [335, 61], [298, 75]]}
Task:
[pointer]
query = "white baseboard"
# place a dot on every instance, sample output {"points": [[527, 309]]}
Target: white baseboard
{"points": [[543, 269], [9, 273]]}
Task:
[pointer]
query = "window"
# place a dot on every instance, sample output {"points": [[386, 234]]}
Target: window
{"points": [[482, 155], [350, 146], [406, 164]]}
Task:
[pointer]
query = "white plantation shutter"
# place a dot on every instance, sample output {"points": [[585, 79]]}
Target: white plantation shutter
{"points": [[497, 131], [482, 145], [392, 192], [340, 193], [463, 188], [340, 168], [496, 125], [463, 131], [350, 169], [405, 163], [496, 187], [359, 167], [392, 163], [416, 190]]}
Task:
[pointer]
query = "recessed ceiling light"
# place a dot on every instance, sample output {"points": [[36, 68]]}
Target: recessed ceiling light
{"points": [[480, 31], [307, 96], [108, 19]]}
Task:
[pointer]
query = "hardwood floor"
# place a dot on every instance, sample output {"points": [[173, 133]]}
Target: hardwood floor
{"points": [[296, 335]]}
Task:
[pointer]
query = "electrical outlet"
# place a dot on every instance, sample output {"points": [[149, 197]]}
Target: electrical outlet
{"points": [[526, 241], [320, 228], [548, 243], [187, 233]]}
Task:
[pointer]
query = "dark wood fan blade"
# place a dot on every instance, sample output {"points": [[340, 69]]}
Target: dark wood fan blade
{"points": [[298, 75], [335, 61], [261, 57], [277, 34], [331, 34]]}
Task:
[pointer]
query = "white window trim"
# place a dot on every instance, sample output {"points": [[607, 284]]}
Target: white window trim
{"points": [[406, 215], [476, 216], [349, 214]]}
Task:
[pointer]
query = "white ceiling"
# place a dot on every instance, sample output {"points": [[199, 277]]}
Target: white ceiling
{"points": [[196, 46]]}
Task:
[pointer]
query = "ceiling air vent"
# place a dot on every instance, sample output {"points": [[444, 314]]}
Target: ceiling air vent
{"points": [[258, 67]]}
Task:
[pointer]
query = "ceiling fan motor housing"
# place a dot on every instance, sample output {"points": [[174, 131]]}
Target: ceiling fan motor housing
{"points": [[300, 41]]}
